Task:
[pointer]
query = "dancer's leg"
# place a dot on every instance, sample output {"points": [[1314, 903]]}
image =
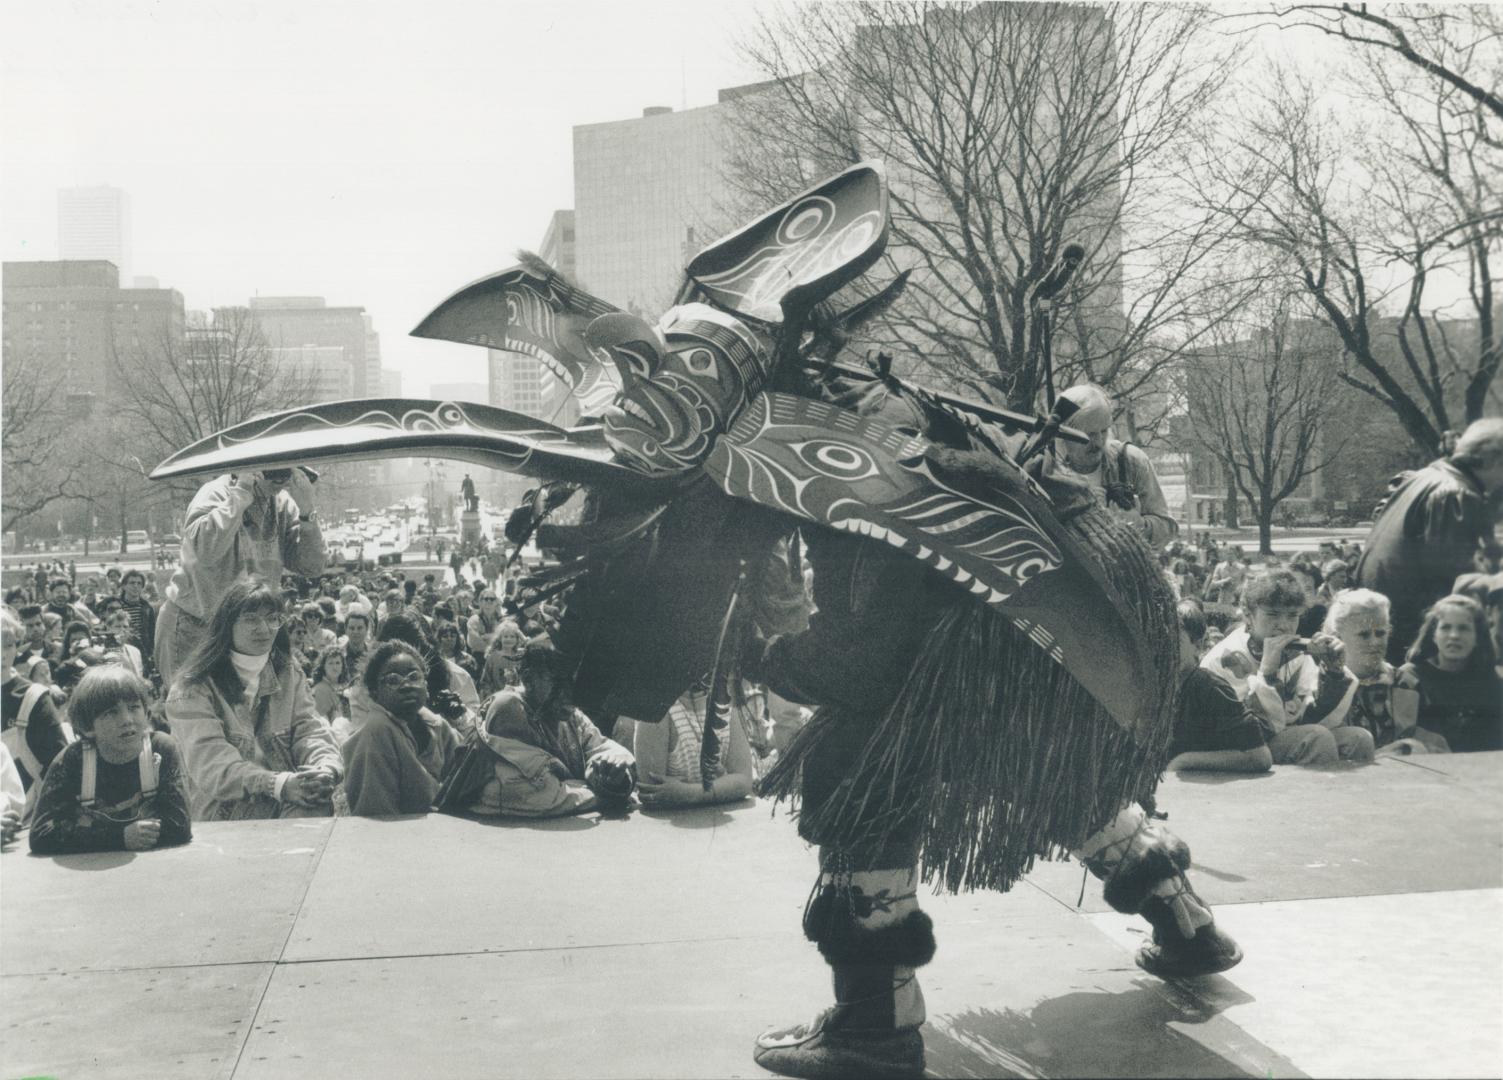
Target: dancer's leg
{"points": [[1143, 865], [864, 917]]}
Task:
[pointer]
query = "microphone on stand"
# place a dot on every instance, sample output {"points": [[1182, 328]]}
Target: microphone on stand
{"points": [[1059, 275]]}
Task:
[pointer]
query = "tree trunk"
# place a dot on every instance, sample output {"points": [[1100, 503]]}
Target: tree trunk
{"points": [[1265, 527], [1231, 505]]}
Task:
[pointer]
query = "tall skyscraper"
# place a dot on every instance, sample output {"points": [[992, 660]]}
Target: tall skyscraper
{"points": [[375, 374], [647, 193], [94, 223], [521, 383]]}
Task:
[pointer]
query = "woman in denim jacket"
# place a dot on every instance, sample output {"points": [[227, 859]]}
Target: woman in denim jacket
{"points": [[252, 740]]}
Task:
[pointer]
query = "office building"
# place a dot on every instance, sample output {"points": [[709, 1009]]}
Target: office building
{"points": [[94, 223], [73, 316], [647, 195], [291, 321], [319, 371]]}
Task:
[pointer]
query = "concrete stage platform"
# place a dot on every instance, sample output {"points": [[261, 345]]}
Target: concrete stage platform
{"points": [[1368, 902]]}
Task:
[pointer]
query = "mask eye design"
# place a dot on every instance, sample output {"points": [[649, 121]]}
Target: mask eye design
{"points": [[700, 363], [838, 460]]}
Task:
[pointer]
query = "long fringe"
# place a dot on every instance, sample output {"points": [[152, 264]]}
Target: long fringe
{"points": [[992, 749]]}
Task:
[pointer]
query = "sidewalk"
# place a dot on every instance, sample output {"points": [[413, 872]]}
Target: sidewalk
{"points": [[1368, 903]]}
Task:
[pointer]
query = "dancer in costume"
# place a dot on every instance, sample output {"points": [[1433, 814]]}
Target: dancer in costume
{"points": [[994, 656]]}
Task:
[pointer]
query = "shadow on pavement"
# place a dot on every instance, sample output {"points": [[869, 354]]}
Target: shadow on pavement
{"points": [[1095, 1033]]}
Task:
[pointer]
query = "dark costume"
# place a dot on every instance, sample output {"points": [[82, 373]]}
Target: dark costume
{"points": [[993, 656], [1424, 536]]}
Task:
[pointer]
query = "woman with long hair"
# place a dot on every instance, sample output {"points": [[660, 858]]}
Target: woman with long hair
{"points": [[396, 757], [327, 674], [1453, 666], [252, 740]]}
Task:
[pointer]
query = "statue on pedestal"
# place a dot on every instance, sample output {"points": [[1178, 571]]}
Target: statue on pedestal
{"points": [[467, 489]]}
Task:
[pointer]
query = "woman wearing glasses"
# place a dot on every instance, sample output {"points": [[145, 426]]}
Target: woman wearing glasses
{"points": [[252, 740], [395, 759]]}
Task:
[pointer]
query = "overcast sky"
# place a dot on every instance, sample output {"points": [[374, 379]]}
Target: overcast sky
{"points": [[375, 153]]}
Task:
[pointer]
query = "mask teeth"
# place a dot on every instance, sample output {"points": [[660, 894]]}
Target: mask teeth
{"points": [[948, 567]]}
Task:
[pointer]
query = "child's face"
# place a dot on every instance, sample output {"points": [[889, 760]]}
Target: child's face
{"points": [[118, 733], [1455, 634], [1365, 635], [1273, 622]]}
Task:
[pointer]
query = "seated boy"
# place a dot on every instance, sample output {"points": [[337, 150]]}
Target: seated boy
{"points": [[1214, 730], [1275, 674]]}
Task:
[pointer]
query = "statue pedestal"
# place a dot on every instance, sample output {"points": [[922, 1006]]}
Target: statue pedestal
{"points": [[469, 527]]}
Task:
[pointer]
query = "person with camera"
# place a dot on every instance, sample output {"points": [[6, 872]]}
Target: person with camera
{"points": [[1297, 686], [237, 525], [118, 636]]}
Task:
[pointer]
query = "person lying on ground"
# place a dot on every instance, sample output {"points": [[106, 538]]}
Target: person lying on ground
{"points": [[121, 786]]}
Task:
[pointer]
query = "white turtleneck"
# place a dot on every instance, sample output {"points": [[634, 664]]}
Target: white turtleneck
{"points": [[249, 668]]}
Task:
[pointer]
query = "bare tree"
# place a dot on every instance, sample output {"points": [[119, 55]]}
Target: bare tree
{"points": [[1439, 41], [1009, 131], [1259, 404], [179, 388], [37, 438], [1377, 217]]}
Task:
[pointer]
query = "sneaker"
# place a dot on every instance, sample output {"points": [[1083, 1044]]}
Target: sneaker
{"points": [[821, 1053], [1170, 956]]}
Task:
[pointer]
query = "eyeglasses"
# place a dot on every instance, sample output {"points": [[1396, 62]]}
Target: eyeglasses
{"points": [[271, 622], [487, 599], [395, 681]]}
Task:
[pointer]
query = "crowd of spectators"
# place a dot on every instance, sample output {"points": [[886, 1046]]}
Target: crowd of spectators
{"points": [[281, 692]]}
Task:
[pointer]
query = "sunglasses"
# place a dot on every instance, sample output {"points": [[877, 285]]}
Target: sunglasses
{"points": [[395, 681]]}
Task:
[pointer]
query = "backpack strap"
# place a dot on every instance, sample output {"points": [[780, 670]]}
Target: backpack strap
{"points": [[90, 782], [15, 735], [146, 764]]}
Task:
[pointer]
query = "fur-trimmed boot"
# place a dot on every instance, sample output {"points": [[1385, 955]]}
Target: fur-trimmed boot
{"points": [[1143, 866], [870, 930]]}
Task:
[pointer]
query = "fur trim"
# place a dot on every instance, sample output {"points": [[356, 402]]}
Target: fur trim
{"points": [[830, 924], [1132, 885]]}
